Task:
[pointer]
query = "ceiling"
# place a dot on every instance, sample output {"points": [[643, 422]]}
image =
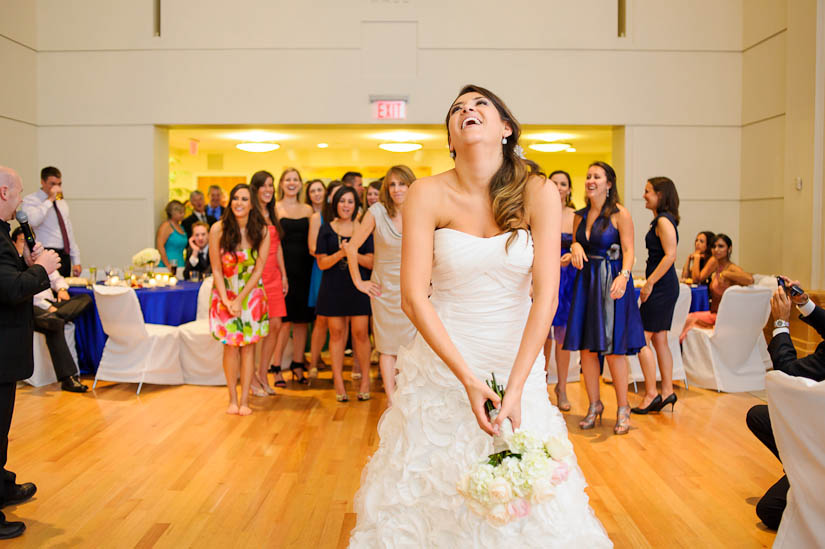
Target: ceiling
{"points": [[214, 139]]}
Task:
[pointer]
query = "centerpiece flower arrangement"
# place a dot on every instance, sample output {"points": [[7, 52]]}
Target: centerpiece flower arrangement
{"points": [[147, 257], [524, 470]]}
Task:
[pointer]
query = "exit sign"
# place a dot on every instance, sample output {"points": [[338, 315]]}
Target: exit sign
{"points": [[389, 110]]}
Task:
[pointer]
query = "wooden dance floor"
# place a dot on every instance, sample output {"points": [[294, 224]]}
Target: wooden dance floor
{"points": [[169, 469]]}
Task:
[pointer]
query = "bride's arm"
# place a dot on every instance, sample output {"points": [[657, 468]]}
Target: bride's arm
{"points": [[420, 221], [543, 210]]}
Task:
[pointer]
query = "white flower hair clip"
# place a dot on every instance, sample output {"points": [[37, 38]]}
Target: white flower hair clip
{"points": [[519, 151]]}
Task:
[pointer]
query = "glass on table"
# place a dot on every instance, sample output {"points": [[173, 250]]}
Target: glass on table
{"points": [[92, 274]]}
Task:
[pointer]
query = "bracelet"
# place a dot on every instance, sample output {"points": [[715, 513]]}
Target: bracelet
{"points": [[625, 273]]}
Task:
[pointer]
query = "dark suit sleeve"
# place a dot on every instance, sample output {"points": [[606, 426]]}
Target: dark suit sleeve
{"points": [[17, 286], [187, 224], [783, 356]]}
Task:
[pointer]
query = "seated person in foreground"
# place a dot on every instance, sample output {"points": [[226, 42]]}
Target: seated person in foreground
{"points": [[197, 252], [783, 356], [723, 274], [50, 318]]}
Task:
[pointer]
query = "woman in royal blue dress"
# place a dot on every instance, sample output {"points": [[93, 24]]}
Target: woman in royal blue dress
{"points": [[604, 318], [566, 277]]}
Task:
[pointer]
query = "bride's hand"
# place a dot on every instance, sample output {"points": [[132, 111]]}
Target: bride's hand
{"points": [[510, 408], [478, 392]]}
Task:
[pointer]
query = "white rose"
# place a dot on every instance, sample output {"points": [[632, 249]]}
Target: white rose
{"points": [[543, 489], [500, 490], [498, 515], [558, 448]]}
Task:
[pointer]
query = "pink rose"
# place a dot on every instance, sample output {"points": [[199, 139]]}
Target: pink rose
{"points": [[257, 304], [518, 508], [561, 473]]}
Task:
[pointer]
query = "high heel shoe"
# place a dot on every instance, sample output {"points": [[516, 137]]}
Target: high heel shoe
{"points": [[671, 399], [622, 421], [257, 391], [264, 383], [278, 382], [593, 411], [364, 396], [654, 406], [298, 368], [561, 399], [342, 398]]}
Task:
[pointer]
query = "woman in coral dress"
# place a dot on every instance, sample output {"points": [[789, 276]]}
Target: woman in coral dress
{"points": [[238, 316]]}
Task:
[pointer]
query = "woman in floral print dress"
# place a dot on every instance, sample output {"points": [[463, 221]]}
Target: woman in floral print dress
{"points": [[238, 317]]}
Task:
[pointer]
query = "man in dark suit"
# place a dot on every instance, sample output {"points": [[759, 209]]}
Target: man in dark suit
{"points": [[20, 279], [197, 253], [783, 355], [198, 203]]}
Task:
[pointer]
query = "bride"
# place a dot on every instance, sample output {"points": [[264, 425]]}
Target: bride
{"points": [[482, 233]]}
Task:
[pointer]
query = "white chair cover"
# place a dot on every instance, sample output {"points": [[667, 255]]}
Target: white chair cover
{"points": [[732, 357], [680, 313], [573, 369], [201, 355], [135, 352], [767, 281], [43, 367], [795, 406]]}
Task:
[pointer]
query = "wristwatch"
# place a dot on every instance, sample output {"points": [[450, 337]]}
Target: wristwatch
{"points": [[626, 273], [781, 323]]}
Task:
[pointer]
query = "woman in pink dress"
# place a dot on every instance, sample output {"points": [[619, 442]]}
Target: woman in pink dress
{"points": [[262, 185]]}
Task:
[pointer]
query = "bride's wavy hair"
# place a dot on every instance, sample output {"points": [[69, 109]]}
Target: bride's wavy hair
{"points": [[508, 184], [231, 231]]}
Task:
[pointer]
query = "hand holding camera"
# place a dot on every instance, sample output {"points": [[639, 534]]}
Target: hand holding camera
{"points": [[793, 289]]}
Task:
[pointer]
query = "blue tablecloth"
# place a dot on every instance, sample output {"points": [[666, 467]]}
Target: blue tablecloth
{"points": [[173, 306], [698, 298]]}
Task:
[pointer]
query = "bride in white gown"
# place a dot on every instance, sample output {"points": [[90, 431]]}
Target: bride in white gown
{"points": [[482, 256]]}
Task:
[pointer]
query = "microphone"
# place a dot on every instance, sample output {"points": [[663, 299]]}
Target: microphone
{"points": [[28, 233]]}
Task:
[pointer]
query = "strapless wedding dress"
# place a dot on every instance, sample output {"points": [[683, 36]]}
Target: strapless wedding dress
{"points": [[430, 438]]}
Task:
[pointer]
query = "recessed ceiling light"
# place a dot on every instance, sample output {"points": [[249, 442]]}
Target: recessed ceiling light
{"points": [[258, 147], [571, 149], [400, 147], [322, 145], [256, 135], [550, 147], [548, 136], [400, 135]]}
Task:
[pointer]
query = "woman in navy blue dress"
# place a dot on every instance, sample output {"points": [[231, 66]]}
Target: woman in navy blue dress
{"points": [[566, 277], [660, 292], [604, 318]]}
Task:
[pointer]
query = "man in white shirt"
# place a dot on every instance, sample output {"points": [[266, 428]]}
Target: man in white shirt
{"points": [[50, 318], [198, 203], [49, 217], [197, 253]]}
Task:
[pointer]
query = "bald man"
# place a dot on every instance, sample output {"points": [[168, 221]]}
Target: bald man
{"points": [[20, 279]]}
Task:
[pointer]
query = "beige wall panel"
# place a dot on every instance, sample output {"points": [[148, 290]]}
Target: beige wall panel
{"points": [[761, 19], [229, 87], [763, 159], [763, 76], [696, 215], [18, 89], [703, 162], [693, 25], [762, 237], [18, 21], [18, 150]]}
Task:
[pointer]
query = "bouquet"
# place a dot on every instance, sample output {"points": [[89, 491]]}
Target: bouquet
{"points": [[147, 256], [523, 471]]}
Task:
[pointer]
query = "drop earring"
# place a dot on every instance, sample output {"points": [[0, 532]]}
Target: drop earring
{"points": [[503, 140], [452, 155]]}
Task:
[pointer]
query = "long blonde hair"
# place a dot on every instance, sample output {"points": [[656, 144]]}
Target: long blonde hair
{"points": [[281, 180], [402, 172], [508, 184]]}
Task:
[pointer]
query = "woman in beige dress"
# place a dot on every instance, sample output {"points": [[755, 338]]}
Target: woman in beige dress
{"points": [[391, 327]]}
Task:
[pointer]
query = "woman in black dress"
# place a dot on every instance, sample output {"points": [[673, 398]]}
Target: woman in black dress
{"points": [[660, 292], [293, 216], [338, 298]]}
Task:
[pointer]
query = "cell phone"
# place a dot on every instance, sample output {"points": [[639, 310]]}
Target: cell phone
{"points": [[781, 282], [793, 291]]}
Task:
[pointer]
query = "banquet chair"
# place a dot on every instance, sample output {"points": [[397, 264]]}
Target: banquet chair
{"points": [[135, 352], [201, 355], [732, 356], [680, 314], [43, 368], [801, 446]]}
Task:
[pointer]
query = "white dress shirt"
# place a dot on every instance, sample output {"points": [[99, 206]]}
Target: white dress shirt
{"points": [[57, 283], [43, 219], [805, 310]]}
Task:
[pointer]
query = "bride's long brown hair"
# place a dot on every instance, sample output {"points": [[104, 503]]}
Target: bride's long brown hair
{"points": [[508, 184]]}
